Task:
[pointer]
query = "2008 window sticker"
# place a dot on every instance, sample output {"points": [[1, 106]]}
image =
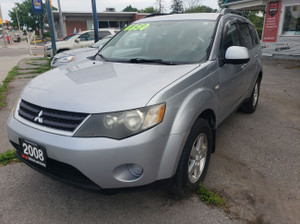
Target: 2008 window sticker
{"points": [[137, 27]]}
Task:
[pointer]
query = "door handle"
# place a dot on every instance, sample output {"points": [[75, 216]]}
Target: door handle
{"points": [[243, 66]]}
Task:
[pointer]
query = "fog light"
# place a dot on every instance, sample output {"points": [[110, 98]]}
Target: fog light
{"points": [[135, 169]]}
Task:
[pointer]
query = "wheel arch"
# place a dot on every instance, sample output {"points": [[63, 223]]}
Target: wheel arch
{"points": [[210, 117], [63, 49]]}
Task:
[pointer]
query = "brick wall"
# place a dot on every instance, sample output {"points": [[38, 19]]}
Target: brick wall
{"points": [[137, 17], [75, 24]]}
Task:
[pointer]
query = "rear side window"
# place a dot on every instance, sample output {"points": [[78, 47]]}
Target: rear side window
{"points": [[246, 39], [253, 35], [103, 34], [86, 36]]}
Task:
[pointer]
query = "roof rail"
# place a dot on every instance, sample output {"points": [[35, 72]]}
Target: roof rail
{"points": [[233, 11], [156, 14]]}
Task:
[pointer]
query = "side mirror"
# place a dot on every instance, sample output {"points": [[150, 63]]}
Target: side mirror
{"points": [[77, 40], [237, 55]]}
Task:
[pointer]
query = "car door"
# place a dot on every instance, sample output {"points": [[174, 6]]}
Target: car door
{"points": [[86, 40], [231, 75]]}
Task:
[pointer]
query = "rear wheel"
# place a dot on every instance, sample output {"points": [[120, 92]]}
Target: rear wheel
{"points": [[250, 105], [194, 160]]}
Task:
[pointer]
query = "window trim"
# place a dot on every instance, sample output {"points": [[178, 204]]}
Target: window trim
{"points": [[281, 23]]}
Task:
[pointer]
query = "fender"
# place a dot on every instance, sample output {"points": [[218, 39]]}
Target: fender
{"points": [[193, 105]]}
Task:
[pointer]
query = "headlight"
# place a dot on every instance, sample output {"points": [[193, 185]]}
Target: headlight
{"points": [[48, 47], [122, 124], [65, 59]]}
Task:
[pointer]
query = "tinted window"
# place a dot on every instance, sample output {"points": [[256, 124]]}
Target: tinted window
{"points": [[231, 37], [103, 34], [254, 35], [86, 36], [246, 39]]}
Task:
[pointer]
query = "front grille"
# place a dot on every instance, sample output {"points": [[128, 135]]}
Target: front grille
{"points": [[57, 119], [60, 171]]}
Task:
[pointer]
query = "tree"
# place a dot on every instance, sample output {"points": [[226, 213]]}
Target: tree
{"points": [[198, 9], [192, 3], [129, 8], [160, 6], [150, 9], [177, 6], [257, 20], [27, 18]]}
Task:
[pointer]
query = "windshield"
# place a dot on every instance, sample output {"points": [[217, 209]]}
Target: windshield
{"points": [[68, 37], [176, 42], [101, 42]]}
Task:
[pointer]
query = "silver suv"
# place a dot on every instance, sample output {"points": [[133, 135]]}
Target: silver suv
{"points": [[145, 107]]}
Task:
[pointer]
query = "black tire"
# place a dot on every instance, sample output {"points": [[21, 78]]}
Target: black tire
{"points": [[250, 105], [182, 185]]}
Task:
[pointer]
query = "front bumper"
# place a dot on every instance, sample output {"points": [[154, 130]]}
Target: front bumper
{"points": [[48, 53], [100, 159]]}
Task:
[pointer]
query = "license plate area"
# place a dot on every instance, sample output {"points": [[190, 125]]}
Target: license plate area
{"points": [[33, 152]]}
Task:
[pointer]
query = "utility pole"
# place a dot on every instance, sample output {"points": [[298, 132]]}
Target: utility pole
{"points": [[51, 24], [61, 23], [17, 18], [95, 20]]}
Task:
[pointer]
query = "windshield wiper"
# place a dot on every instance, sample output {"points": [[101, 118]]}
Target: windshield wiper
{"points": [[143, 60]]}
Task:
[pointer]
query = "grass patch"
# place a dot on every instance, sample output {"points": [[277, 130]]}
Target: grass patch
{"points": [[41, 68], [8, 157], [3, 88], [211, 198]]}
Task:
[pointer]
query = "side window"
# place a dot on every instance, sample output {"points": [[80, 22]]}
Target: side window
{"points": [[86, 37], [103, 34], [231, 38], [246, 39], [253, 35]]}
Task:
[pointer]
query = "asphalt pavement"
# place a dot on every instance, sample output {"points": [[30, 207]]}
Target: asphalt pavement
{"points": [[256, 167], [10, 55]]}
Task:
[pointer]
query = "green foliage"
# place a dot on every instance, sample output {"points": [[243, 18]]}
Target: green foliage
{"points": [[7, 80], [150, 9], [177, 6], [41, 68], [27, 18], [8, 157], [257, 20], [210, 198], [129, 8], [198, 9]]}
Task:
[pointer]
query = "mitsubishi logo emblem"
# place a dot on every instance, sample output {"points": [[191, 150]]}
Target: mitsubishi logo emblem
{"points": [[38, 118]]}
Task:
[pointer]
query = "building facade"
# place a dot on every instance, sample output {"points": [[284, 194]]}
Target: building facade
{"points": [[281, 32], [84, 20]]}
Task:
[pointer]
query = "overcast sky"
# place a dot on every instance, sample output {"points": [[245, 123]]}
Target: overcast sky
{"points": [[85, 5]]}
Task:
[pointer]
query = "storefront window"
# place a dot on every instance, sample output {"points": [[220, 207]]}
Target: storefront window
{"points": [[291, 24]]}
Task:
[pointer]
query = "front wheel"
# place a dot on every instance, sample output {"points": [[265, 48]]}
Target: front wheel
{"points": [[194, 160], [250, 105]]}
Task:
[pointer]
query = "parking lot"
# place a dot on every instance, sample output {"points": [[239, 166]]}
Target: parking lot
{"points": [[256, 167]]}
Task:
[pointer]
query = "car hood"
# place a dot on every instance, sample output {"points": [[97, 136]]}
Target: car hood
{"points": [[98, 87], [77, 52]]}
